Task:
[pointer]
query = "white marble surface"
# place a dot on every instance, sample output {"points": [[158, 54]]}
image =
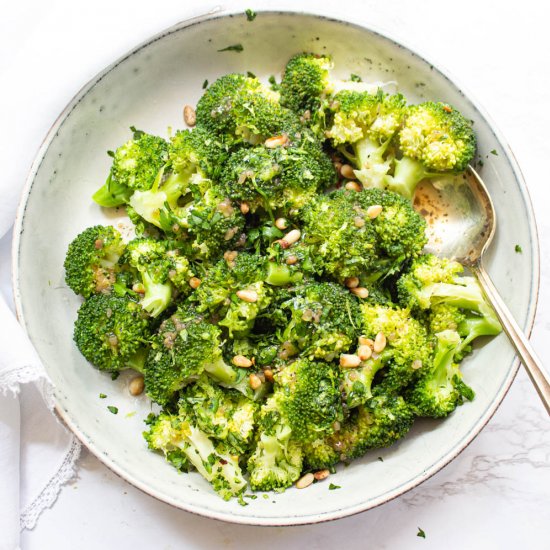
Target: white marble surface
{"points": [[496, 494]]}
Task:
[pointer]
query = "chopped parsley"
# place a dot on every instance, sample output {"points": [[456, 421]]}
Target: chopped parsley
{"points": [[518, 249], [250, 74], [102, 396], [380, 459], [113, 409], [421, 533], [355, 78], [234, 48], [494, 152], [205, 84], [250, 14], [332, 487]]}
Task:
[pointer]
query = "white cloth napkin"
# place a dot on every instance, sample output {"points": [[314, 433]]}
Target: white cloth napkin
{"points": [[37, 453]]}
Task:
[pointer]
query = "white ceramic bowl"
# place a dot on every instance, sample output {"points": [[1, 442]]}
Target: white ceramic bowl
{"points": [[147, 88]]}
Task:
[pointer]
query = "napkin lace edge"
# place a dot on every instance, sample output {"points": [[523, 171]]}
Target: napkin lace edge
{"points": [[11, 380], [29, 516]]}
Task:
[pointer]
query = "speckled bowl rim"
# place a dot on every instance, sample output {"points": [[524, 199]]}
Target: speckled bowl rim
{"points": [[342, 512]]}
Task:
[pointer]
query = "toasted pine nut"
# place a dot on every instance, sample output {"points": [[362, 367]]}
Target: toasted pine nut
{"points": [[113, 340], [230, 233], [374, 211], [245, 207], [189, 115], [254, 381], [321, 474], [358, 221], [291, 237], [139, 288], [98, 245], [352, 282], [288, 349], [136, 385], [268, 373], [250, 296], [230, 255], [349, 361], [346, 171], [305, 481], [276, 141], [291, 260], [360, 292], [352, 186], [194, 282], [337, 166], [364, 352], [379, 342], [281, 223], [242, 361], [364, 341], [416, 364]]}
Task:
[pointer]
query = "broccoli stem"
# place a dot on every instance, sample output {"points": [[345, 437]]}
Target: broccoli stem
{"points": [[407, 175], [112, 194], [157, 295], [280, 275], [474, 327], [448, 342], [372, 164]]}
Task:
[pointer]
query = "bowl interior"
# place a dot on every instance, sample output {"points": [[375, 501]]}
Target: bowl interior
{"points": [[148, 89]]}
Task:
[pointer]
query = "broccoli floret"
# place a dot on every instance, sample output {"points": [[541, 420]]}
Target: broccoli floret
{"points": [[184, 347], [306, 79], [135, 167], [431, 281], [362, 128], [225, 415], [239, 108], [435, 140], [276, 462], [441, 389], [350, 243], [322, 319], [91, 260], [182, 441], [111, 332], [151, 261], [379, 423]]}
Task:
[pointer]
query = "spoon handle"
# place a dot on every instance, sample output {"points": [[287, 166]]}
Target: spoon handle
{"points": [[535, 370]]}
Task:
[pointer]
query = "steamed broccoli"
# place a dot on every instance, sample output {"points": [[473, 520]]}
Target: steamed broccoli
{"points": [[91, 260], [112, 332], [350, 242], [135, 167], [183, 443]]}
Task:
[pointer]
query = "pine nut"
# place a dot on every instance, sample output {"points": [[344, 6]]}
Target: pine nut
{"points": [[358, 221], [249, 296], [230, 233], [416, 364], [364, 352], [349, 361], [139, 288], [360, 292], [290, 238], [254, 381], [352, 282], [98, 245], [276, 141], [291, 260], [268, 373], [374, 211], [194, 282], [321, 474], [337, 166], [242, 361], [288, 349], [305, 481], [364, 341], [230, 255], [346, 171], [113, 340], [189, 115], [136, 385], [352, 186], [379, 342], [281, 223], [245, 208]]}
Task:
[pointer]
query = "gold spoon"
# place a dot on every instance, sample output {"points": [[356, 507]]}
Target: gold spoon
{"points": [[461, 225]]}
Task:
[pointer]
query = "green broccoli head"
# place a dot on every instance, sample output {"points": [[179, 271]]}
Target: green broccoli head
{"points": [[322, 319], [351, 241], [441, 389], [222, 414], [111, 331], [91, 260], [239, 108], [276, 462], [307, 394], [135, 167], [184, 444], [306, 79]]}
